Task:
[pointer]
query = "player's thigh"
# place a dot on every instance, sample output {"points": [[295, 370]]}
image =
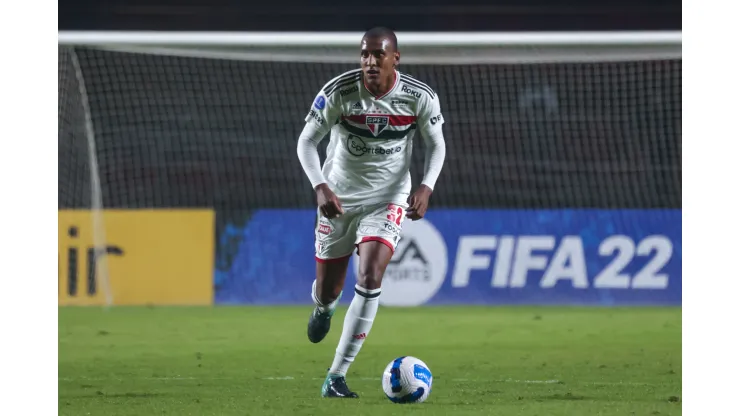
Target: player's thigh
{"points": [[379, 231], [330, 276], [382, 223], [334, 243], [335, 237], [374, 258]]}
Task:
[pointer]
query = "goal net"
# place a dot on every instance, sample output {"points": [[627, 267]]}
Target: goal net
{"points": [[560, 121], [535, 126]]}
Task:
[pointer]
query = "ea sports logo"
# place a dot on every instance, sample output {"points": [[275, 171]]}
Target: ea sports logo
{"points": [[418, 267]]}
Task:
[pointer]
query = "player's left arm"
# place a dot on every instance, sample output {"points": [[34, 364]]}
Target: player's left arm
{"points": [[430, 120]]}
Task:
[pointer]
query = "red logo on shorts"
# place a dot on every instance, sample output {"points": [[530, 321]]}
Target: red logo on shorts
{"points": [[359, 336], [324, 229]]}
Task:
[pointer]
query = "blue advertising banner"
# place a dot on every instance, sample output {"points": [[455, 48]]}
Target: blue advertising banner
{"points": [[488, 257]]}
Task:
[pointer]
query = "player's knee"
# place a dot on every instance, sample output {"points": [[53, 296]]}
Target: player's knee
{"points": [[369, 276]]}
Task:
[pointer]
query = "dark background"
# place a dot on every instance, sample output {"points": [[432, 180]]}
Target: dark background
{"points": [[197, 132], [332, 15]]}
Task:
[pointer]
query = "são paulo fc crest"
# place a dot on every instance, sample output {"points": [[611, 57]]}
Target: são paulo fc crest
{"points": [[376, 124]]}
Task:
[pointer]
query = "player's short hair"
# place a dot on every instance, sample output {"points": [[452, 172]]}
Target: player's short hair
{"points": [[383, 32]]}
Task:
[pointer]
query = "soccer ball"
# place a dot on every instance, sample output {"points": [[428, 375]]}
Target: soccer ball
{"points": [[407, 380]]}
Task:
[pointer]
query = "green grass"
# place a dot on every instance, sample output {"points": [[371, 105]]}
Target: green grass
{"points": [[257, 360]]}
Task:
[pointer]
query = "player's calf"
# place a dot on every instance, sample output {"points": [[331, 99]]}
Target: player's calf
{"points": [[358, 322], [319, 323], [326, 292], [357, 325]]}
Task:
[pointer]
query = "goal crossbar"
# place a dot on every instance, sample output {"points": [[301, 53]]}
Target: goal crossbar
{"points": [[448, 48]]}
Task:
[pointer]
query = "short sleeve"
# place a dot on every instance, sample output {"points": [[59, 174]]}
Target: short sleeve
{"points": [[430, 116]]}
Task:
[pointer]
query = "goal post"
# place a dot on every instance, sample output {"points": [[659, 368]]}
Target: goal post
{"points": [[439, 48], [209, 120]]}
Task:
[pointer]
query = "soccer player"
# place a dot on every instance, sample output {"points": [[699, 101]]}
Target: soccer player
{"points": [[364, 189]]}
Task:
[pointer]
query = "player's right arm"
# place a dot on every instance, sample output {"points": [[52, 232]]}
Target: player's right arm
{"points": [[321, 117]]}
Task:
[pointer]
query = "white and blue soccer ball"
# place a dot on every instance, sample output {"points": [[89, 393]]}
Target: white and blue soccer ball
{"points": [[407, 380]]}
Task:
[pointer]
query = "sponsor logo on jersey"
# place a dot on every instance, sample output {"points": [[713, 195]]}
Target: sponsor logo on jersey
{"points": [[408, 90], [376, 124], [316, 116], [320, 102], [436, 119], [348, 91], [324, 229], [358, 147], [399, 103]]}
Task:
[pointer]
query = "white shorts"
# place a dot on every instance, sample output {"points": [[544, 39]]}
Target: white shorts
{"points": [[337, 238]]}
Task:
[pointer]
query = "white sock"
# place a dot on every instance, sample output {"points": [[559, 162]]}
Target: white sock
{"points": [[317, 300], [357, 324]]}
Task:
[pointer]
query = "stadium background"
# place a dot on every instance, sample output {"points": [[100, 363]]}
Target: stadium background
{"points": [[220, 138], [562, 185]]}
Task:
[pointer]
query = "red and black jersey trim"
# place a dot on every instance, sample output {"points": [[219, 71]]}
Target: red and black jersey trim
{"points": [[393, 120], [385, 134]]}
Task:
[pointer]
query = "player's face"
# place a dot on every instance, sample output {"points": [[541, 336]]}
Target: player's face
{"points": [[378, 59]]}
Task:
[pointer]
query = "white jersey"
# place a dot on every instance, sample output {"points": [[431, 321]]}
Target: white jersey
{"points": [[369, 152]]}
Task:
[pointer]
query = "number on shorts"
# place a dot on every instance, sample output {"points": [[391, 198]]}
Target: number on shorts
{"points": [[395, 216]]}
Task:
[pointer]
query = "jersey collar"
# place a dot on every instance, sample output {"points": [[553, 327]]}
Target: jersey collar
{"points": [[396, 79]]}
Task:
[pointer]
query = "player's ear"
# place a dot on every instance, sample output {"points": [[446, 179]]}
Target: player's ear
{"points": [[397, 58]]}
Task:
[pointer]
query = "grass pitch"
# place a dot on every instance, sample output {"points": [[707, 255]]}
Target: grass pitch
{"points": [[258, 361]]}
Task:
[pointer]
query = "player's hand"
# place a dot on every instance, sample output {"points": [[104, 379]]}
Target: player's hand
{"points": [[418, 203], [329, 204]]}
